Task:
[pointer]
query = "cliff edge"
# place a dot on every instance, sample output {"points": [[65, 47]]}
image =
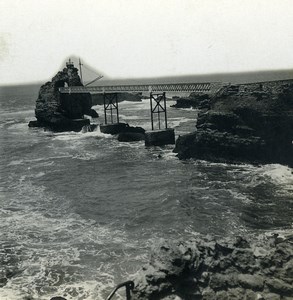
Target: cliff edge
{"points": [[244, 123]]}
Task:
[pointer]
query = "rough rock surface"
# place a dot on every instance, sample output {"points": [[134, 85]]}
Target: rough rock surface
{"points": [[59, 111], [203, 268], [245, 123], [194, 100], [132, 134]]}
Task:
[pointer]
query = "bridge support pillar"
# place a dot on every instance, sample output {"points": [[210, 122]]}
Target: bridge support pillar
{"points": [[164, 136], [111, 114], [158, 106], [111, 104]]}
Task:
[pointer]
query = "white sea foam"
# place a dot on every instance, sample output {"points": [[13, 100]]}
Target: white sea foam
{"points": [[133, 117], [130, 106], [239, 196], [169, 155], [18, 126], [68, 136], [278, 173], [16, 162], [188, 109], [17, 113], [175, 122], [43, 269]]}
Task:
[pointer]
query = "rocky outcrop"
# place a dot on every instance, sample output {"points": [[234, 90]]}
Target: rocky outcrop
{"points": [[194, 100], [117, 128], [245, 123], [132, 134], [62, 112], [203, 268]]}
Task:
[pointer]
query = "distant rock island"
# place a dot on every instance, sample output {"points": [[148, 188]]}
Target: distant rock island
{"points": [[250, 123]]}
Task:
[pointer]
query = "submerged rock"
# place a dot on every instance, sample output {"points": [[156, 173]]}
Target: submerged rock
{"points": [[63, 112], [203, 268], [246, 123]]}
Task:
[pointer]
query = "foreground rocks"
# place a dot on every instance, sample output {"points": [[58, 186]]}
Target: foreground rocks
{"points": [[203, 268], [245, 123], [63, 112]]}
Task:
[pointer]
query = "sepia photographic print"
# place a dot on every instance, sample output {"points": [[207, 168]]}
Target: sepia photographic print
{"points": [[146, 149]]}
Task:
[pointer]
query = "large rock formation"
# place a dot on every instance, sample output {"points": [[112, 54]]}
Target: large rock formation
{"points": [[245, 123], [62, 111], [203, 268]]}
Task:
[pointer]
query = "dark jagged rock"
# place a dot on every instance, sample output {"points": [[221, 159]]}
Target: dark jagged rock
{"points": [[123, 128], [160, 137], [62, 112], [132, 134], [130, 137], [92, 113], [203, 268], [246, 123], [113, 128], [194, 100]]}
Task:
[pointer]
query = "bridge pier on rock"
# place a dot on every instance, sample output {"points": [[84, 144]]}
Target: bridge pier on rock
{"points": [[125, 132], [112, 125], [159, 137]]}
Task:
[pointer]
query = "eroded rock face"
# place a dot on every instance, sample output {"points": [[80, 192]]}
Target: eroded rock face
{"points": [[60, 111], [246, 123], [193, 101], [203, 268]]}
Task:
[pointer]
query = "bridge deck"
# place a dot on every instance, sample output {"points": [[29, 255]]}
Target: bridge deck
{"points": [[207, 87]]}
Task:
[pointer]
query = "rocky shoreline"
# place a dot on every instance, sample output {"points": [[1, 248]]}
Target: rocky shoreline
{"points": [[250, 123], [245, 123], [205, 268]]}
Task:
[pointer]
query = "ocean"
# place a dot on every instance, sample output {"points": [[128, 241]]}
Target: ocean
{"points": [[81, 211]]}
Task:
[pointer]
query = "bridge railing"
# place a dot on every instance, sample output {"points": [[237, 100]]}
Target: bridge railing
{"points": [[206, 87]]}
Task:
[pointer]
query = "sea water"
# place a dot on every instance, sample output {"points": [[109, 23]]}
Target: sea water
{"points": [[79, 212]]}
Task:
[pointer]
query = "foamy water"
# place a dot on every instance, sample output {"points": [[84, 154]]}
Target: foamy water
{"points": [[80, 211]]}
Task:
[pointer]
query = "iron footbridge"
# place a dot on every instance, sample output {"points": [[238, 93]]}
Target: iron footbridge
{"points": [[157, 94], [208, 87]]}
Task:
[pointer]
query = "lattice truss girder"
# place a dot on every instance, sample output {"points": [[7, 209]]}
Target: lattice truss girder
{"points": [[176, 87]]}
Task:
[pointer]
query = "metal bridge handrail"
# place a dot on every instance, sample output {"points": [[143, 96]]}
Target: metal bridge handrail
{"points": [[202, 87], [129, 285]]}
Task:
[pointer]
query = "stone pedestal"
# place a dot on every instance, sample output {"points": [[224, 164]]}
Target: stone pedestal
{"points": [[160, 137]]}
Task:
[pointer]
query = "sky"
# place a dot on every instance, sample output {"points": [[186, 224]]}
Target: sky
{"points": [[144, 38]]}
